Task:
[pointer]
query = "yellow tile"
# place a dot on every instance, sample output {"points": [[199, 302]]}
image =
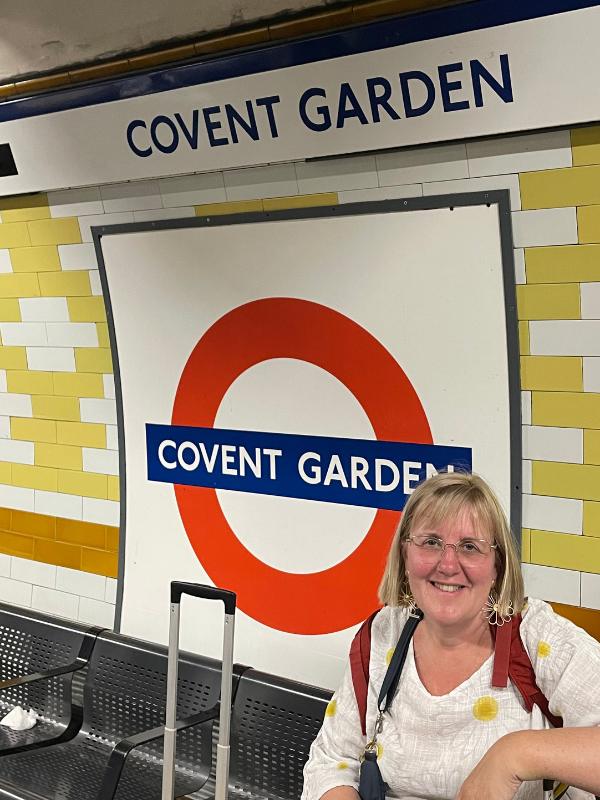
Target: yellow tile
{"points": [[78, 384], [112, 539], [555, 188], [552, 373], [65, 284], [524, 338], [300, 201], [13, 358], [100, 562], [565, 264], [33, 524], [588, 224], [113, 487], [591, 447], [85, 484], [84, 434], [525, 546], [5, 514], [585, 143], [235, 207], [61, 456], [33, 430], [86, 309], [19, 285], [14, 234], [591, 518], [566, 409], [565, 551], [548, 301], [82, 533], [579, 481], [93, 359], [14, 544], [24, 208], [10, 311], [5, 472], [63, 555], [35, 259], [54, 407], [32, 477], [29, 381], [102, 331], [55, 231]]}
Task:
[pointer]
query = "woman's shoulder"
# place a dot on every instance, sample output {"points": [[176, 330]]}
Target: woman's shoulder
{"points": [[387, 625], [544, 631]]}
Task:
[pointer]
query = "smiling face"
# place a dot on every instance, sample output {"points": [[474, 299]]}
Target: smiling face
{"points": [[450, 592]]}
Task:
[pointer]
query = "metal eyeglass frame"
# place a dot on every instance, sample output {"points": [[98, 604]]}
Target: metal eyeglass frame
{"points": [[454, 546]]}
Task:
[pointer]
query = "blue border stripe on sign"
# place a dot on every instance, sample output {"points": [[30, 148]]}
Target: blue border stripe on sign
{"points": [[360, 39]]}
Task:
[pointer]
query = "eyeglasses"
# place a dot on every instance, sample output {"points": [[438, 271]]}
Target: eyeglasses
{"points": [[467, 550]]}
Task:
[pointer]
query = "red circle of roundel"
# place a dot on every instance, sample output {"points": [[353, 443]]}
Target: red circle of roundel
{"points": [[343, 595]]}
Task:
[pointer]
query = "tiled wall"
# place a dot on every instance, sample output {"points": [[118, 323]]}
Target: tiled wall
{"points": [[58, 451]]}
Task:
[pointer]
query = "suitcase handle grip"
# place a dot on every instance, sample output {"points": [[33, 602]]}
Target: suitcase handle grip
{"points": [[205, 592]]}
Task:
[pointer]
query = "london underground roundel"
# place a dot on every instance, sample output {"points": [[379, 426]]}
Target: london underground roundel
{"points": [[341, 596]]}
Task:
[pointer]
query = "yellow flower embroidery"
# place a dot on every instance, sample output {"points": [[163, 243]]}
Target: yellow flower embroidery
{"points": [[342, 765], [331, 708], [485, 709], [544, 649], [379, 749], [388, 655]]}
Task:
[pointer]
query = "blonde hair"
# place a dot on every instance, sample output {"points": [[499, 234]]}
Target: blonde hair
{"points": [[446, 496]]}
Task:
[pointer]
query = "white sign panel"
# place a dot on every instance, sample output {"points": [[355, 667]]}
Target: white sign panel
{"points": [[285, 385]]}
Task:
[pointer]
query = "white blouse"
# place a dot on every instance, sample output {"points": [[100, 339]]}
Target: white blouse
{"points": [[428, 744]]}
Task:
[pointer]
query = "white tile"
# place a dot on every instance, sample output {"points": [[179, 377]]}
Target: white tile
{"points": [[590, 590], [590, 300], [16, 451], [77, 256], [385, 193], [193, 190], [591, 375], [526, 408], [552, 514], [96, 612], [112, 437], [4, 427], [44, 309], [16, 497], [5, 262], [15, 592], [95, 409], [157, 214], [3, 383], [97, 220], [105, 462], [548, 226], [331, 175], [52, 601], [15, 405], [424, 164], [33, 572], [105, 512], [72, 334], [134, 196], [111, 590], [5, 562], [551, 584], [84, 584], [526, 476], [257, 182], [54, 359], [24, 333], [75, 202], [569, 337], [542, 443], [510, 182], [519, 259], [57, 504], [109, 385], [531, 151], [95, 284]]}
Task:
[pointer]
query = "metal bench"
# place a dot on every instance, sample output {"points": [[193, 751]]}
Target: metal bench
{"points": [[39, 657], [118, 751]]}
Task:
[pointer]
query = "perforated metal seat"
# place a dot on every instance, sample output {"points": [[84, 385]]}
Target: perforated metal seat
{"points": [[31, 646], [124, 695]]}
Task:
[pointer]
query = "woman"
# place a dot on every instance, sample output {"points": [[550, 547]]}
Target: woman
{"points": [[448, 733]]}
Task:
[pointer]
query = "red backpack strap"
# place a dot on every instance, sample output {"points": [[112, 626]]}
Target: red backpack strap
{"points": [[360, 656]]}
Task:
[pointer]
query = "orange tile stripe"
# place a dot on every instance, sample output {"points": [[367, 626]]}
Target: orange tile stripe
{"points": [[62, 542]]}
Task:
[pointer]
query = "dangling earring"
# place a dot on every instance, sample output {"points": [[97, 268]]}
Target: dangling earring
{"points": [[407, 599], [491, 611]]}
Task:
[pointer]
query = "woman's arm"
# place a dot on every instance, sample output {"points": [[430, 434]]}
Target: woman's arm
{"points": [[341, 793]]}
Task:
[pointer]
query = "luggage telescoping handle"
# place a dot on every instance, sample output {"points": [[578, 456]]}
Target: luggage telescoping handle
{"points": [[179, 588]]}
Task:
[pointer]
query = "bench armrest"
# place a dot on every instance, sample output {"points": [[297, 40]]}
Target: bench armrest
{"points": [[122, 749]]}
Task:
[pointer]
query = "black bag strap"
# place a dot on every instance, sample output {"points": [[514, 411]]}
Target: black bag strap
{"points": [[392, 676]]}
